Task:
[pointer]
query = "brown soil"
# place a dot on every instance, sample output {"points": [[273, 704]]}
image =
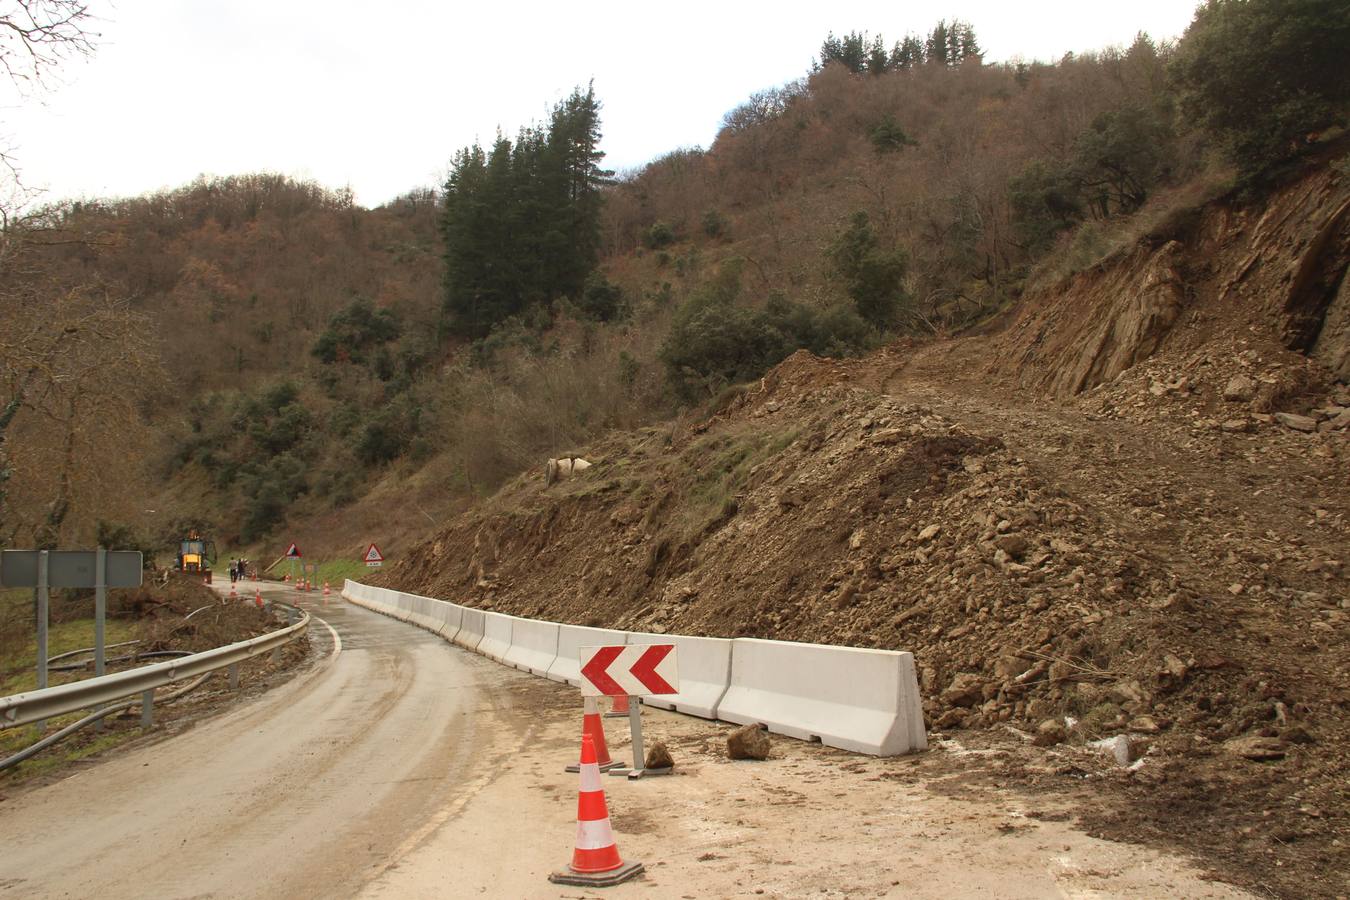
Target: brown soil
{"points": [[1099, 519]]}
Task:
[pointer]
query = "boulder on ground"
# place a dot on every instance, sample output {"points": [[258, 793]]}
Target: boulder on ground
{"points": [[1240, 388], [966, 689], [564, 467], [748, 742], [1049, 733], [658, 757]]}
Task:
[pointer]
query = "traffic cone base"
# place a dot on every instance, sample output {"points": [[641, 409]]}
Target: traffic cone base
{"points": [[618, 708], [595, 860], [598, 879]]}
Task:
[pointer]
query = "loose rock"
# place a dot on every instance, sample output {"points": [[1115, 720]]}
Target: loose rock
{"points": [[748, 742], [1049, 733], [1298, 423], [1256, 748], [1240, 389], [658, 757]]}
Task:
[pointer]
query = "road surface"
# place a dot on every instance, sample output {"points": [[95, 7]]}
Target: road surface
{"points": [[400, 766]]}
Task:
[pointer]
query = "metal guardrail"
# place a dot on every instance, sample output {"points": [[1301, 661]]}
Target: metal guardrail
{"points": [[34, 706]]}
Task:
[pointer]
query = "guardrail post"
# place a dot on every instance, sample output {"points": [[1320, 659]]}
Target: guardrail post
{"points": [[100, 618], [234, 677], [43, 612], [147, 708]]}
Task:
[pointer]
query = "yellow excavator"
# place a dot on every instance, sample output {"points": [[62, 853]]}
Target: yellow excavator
{"points": [[196, 555]]}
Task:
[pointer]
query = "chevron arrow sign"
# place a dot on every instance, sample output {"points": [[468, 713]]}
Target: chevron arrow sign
{"points": [[636, 670]]}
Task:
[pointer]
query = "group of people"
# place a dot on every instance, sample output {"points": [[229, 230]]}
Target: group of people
{"points": [[238, 570]]}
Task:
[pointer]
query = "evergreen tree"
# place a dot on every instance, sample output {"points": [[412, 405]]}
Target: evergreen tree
{"points": [[521, 223], [907, 53], [877, 61], [936, 50]]}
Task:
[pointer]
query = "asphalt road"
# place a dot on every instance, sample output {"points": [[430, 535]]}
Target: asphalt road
{"points": [[308, 791]]}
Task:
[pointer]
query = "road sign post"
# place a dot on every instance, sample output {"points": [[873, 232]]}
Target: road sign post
{"points": [[634, 671], [43, 570], [43, 614]]}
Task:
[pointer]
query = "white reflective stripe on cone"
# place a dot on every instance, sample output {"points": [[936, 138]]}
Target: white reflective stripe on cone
{"points": [[590, 778], [595, 835]]}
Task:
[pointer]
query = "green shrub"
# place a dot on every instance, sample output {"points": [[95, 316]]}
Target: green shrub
{"points": [[659, 235], [874, 278], [1045, 201], [888, 137], [354, 332], [714, 226], [714, 341], [1260, 75], [601, 300]]}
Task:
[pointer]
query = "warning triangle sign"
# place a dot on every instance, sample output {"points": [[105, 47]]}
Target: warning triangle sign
{"points": [[292, 552], [374, 555]]}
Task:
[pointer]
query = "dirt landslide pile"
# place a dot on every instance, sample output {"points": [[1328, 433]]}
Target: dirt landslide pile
{"points": [[816, 509], [1117, 521]]}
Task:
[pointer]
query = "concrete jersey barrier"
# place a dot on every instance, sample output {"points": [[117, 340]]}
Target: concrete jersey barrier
{"points": [[534, 645], [571, 638], [852, 698], [865, 701], [451, 614], [470, 628], [705, 672], [496, 635]]}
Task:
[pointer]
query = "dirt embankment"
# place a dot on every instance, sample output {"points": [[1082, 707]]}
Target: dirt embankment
{"points": [[1126, 513]]}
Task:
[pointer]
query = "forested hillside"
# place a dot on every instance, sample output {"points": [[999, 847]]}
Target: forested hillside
{"points": [[249, 350]]}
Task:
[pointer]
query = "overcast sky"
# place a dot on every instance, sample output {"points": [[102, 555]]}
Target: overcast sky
{"points": [[379, 96]]}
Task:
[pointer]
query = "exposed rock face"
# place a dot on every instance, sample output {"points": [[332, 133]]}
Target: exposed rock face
{"points": [[748, 742], [1287, 258]]}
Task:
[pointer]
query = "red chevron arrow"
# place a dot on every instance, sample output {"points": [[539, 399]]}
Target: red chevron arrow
{"points": [[595, 671], [644, 670]]}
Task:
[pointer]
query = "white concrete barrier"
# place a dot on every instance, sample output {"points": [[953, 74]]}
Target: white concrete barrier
{"points": [[470, 629], [450, 615], [400, 606], [534, 645], [571, 638], [866, 701], [425, 613], [496, 635], [704, 665], [852, 698]]}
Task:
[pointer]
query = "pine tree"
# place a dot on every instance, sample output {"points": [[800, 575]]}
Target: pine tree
{"points": [[877, 61], [936, 50], [521, 223], [907, 53]]}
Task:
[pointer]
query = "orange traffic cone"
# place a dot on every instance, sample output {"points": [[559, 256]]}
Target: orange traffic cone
{"points": [[326, 591], [234, 595], [257, 597], [595, 860], [618, 708], [592, 727]]}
